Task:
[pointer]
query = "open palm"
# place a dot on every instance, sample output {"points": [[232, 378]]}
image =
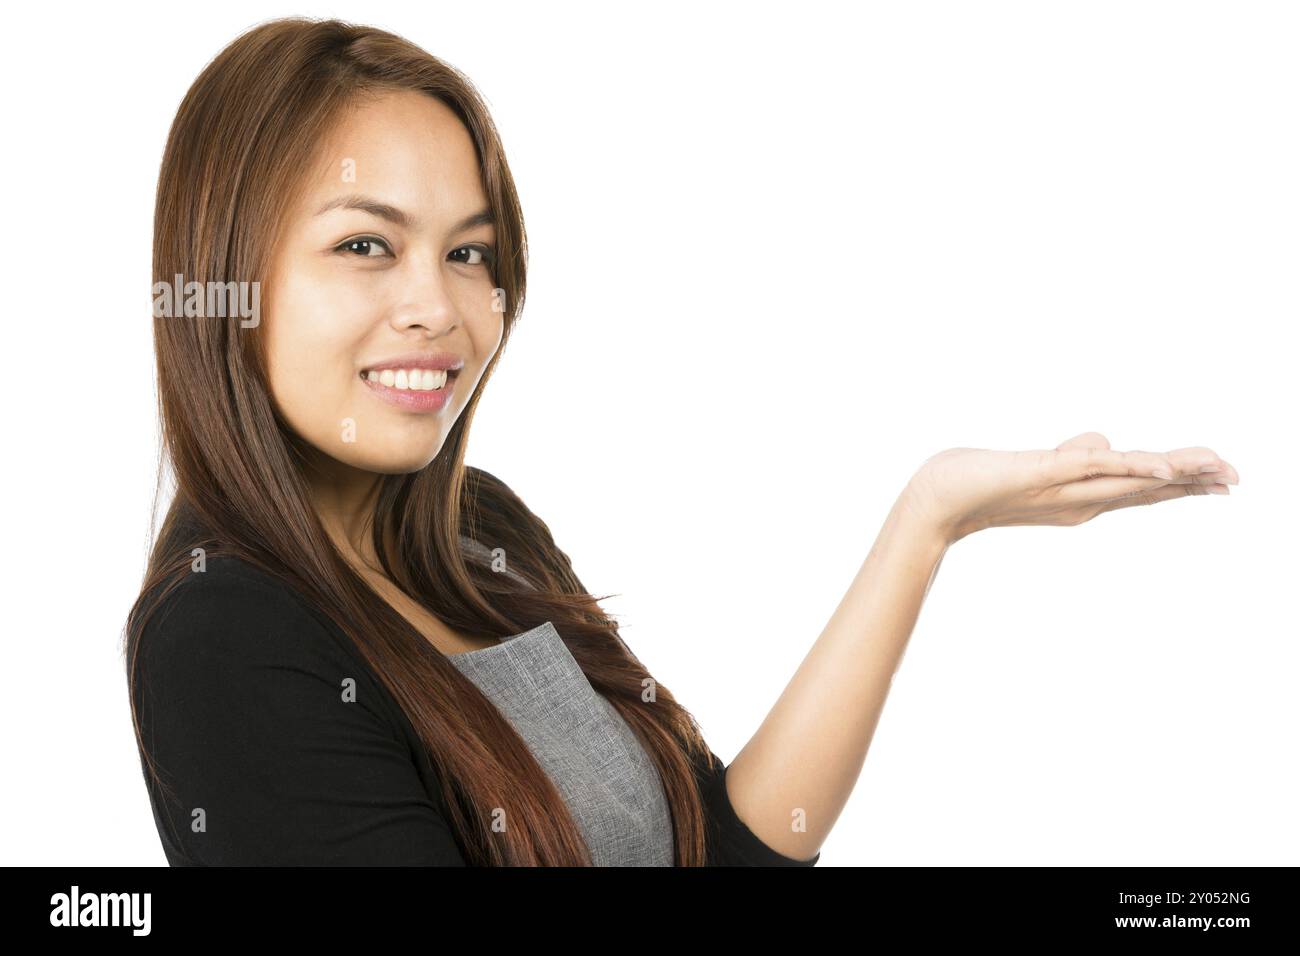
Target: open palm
{"points": [[963, 490]]}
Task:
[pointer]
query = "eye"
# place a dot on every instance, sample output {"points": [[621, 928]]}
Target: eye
{"points": [[476, 255], [364, 247]]}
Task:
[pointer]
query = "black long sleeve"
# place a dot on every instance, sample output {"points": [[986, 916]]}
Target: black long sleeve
{"points": [[241, 704]]}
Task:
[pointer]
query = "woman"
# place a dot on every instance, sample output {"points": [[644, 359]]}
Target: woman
{"points": [[353, 648]]}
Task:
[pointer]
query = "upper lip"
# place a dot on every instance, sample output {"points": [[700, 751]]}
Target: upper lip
{"points": [[430, 360]]}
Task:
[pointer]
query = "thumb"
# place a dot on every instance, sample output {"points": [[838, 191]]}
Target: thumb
{"points": [[1085, 440]]}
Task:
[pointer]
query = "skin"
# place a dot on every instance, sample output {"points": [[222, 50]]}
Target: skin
{"points": [[801, 764], [333, 312], [337, 306]]}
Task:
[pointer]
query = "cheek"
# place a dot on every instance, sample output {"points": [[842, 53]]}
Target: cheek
{"points": [[312, 334], [485, 329]]}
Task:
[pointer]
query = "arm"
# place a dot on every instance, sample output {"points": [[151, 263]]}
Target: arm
{"points": [[241, 704], [810, 748], [729, 840]]}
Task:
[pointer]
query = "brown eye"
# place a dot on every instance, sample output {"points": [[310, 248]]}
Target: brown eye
{"points": [[366, 246], [475, 255]]}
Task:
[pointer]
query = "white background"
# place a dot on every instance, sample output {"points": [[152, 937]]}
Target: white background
{"points": [[780, 255]]}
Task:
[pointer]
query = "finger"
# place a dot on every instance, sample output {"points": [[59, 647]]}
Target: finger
{"points": [[1163, 493], [1195, 451], [1223, 472], [1219, 476], [1184, 469], [1078, 464], [1222, 467], [1108, 489], [1085, 440], [1232, 472], [1198, 458]]}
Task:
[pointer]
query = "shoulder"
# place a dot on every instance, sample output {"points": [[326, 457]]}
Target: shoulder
{"points": [[235, 594], [232, 650], [259, 724], [233, 621], [237, 581]]}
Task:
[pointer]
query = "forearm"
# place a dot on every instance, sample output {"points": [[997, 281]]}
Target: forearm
{"points": [[809, 750]]}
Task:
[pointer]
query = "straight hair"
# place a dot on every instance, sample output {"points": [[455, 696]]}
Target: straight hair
{"points": [[245, 130]]}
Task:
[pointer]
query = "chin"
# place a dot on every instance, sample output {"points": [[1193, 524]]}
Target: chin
{"points": [[402, 467], [391, 464], [400, 462]]}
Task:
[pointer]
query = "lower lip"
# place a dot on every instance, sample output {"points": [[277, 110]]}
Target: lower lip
{"points": [[414, 400]]}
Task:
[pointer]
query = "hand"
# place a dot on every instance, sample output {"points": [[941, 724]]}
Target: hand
{"points": [[962, 490]]}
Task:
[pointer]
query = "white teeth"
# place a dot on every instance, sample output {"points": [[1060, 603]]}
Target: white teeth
{"points": [[432, 379], [419, 379]]}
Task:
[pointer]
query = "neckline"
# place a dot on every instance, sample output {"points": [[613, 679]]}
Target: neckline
{"points": [[544, 627]]}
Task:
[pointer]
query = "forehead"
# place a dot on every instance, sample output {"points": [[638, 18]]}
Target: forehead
{"points": [[407, 149]]}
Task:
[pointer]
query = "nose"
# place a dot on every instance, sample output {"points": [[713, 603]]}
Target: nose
{"points": [[424, 303]]}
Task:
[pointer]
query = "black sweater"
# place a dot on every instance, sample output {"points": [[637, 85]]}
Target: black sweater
{"points": [[237, 697]]}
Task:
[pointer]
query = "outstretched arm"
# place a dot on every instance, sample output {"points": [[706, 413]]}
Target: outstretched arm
{"points": [[809, 750], [792, 779]]}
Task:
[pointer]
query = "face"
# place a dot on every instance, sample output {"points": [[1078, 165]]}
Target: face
{"points": [[384, 279]]}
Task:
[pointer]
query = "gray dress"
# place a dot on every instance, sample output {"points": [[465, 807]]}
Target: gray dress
{"points": [[607, 779]]}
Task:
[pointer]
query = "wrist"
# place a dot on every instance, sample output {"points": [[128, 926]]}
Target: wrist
{"points": [[915, 515]]}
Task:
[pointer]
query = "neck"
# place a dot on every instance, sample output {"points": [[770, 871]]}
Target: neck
{"points": [[344, 498]]}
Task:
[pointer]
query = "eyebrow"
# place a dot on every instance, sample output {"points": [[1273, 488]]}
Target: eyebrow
{"points": [[394, 215]]}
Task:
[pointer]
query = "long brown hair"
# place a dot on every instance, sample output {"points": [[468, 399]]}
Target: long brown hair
{"points": [[244, 131]]}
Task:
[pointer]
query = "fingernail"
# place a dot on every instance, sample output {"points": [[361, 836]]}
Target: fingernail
{"points": [[1220, 477], [1162, 472], [1217, 489], [1206, 469]]}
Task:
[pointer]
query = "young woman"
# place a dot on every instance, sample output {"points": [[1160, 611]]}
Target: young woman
{"points": [[353, 648]]}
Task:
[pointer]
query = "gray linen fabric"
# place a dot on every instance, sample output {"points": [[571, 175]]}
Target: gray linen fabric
{"points": [[611, 786]]}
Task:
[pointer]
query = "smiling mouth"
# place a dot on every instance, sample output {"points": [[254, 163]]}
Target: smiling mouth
{"points": [[412, 379]]}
